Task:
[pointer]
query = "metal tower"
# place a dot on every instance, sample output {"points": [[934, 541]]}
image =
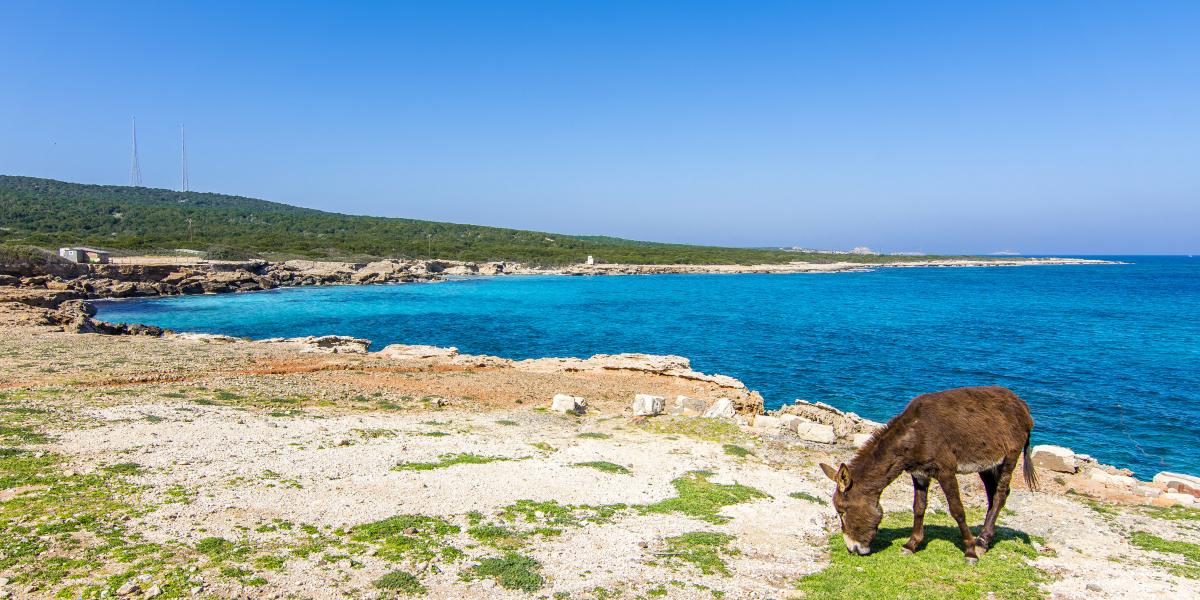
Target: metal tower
{"points": [[183, 155], [135, 170]]}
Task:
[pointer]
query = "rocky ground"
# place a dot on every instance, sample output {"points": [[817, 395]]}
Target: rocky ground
{"points": [[203, 466]]}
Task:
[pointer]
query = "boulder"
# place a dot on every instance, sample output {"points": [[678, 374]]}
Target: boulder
{"points": [[404, 351], [815, 432], [1180, 498], [207, 338], [767, 422], [1054, 458], [1111, 479], [721, 409], [325, 344], [645, 405], [1180, 483], [685, 406], [568, 404], [859, 440]]}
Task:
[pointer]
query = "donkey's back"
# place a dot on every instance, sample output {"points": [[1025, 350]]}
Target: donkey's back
{"points": [[972, 428]]}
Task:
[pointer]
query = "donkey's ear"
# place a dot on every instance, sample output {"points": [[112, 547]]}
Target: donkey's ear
{"points": [[830, 472], [843, 477]]}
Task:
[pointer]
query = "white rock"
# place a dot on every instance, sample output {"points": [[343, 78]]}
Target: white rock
{"points": [[1180, 498], [767, 422], [859, 440], [1148, 491], [1109, 479], [815, 432], [568, 404], [1054, 458], [153, 592], [721, 409], [645, 405], [130, 587], [403, 351], [1178, 482], [685, 406]]}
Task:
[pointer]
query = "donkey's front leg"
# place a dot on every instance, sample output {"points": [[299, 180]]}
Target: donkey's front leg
{"points": [[920, 495], [949, 484]]}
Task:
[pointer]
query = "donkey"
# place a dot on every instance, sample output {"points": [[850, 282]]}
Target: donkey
{"points": [[938, 436]]}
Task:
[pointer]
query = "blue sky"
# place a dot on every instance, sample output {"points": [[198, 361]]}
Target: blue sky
{"points": [[1041, 127]]}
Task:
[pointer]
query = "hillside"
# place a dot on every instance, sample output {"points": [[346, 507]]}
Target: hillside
{"points": [[51, 213]]}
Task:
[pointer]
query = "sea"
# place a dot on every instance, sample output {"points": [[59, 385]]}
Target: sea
{"points": [[1107, 356]]}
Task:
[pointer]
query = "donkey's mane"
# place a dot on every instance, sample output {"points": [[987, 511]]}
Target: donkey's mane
{"points": [[868, 451]]}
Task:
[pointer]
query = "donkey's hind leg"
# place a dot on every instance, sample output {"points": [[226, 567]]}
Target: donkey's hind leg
{"points": [[920, 494], [997, 494]]}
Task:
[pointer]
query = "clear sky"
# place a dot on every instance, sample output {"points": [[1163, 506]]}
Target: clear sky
{"points": [[1040, 127]]}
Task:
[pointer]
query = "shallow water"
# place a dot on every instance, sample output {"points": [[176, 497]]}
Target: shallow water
{"points": [[1108, 357]]}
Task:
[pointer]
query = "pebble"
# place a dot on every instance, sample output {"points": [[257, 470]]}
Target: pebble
{"points": [[1091, 587]]}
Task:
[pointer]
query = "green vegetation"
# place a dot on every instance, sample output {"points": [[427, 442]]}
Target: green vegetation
{"points": [[738, 451], [409, 537], [937, 570], [400, 582], [552, 513], [593, 435], [709, 430], [512, 571], [808, 497], [1174, 513], [544, 447], [703, 549], [603, 465], [1188, 552], [700, 498], [49, 213], [449, 460]]}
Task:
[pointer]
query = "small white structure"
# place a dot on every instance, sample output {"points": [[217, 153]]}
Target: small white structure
{"points": [[590, 260], [84, 255]]}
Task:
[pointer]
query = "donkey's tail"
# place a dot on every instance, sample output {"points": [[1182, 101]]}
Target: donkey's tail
{"points": [[1027, 467]]}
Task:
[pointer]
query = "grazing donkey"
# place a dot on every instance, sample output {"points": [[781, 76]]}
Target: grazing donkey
{"points": [[938, 436]]}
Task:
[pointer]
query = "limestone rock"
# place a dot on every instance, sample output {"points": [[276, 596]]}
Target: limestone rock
{"points": [[325, 344], [816, 432], [859, 440], [721, 409], [685, 406], [1180, 498], [1054, 458], [403, 351], [1180, 483], [1111, 479], [564, 403], [645, 405], [766, 422]]}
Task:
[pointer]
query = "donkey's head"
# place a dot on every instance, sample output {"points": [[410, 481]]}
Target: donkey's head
{"points": [[858, 509]]}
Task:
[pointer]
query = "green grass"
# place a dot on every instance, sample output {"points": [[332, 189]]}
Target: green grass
{"points": [[409, 537], [604, 465], [1174, 513], [507, 422], [937, 570], [709, 430], [701, 549], [738, 451], [702, 499], [1188, 552], [512, 571], [449, 460], [544, 447], [807, 497], [552, 513], [593, 435], [401, 582]]}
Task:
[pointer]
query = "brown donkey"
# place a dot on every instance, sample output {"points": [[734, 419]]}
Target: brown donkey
{"points": [[938, 436]]}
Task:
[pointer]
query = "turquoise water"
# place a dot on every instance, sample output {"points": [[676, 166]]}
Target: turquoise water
{"points": [[1108, 357]]}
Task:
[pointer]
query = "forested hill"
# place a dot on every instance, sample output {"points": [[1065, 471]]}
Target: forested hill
{"points": [[50, 213]]}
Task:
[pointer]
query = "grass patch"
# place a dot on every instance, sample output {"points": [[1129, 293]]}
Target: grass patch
{"points": [[700, 498], [449, 460], [1174, 513], [544, 447], [710, 430], [512, 571], [508, 422], [1187, 551], [401, 583], [702, 549], [125, 468], [409, 536], [564, 515], [937, 570], [434, 433], [738, 451], [593, 435], [604, 465], [807, 497]]}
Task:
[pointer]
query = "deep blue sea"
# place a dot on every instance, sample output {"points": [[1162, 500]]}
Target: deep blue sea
{"points": [[1108, 357]]}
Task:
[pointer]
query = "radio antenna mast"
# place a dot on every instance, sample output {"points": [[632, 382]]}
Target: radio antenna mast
{"points": [[183, 154], [135, 170]]}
